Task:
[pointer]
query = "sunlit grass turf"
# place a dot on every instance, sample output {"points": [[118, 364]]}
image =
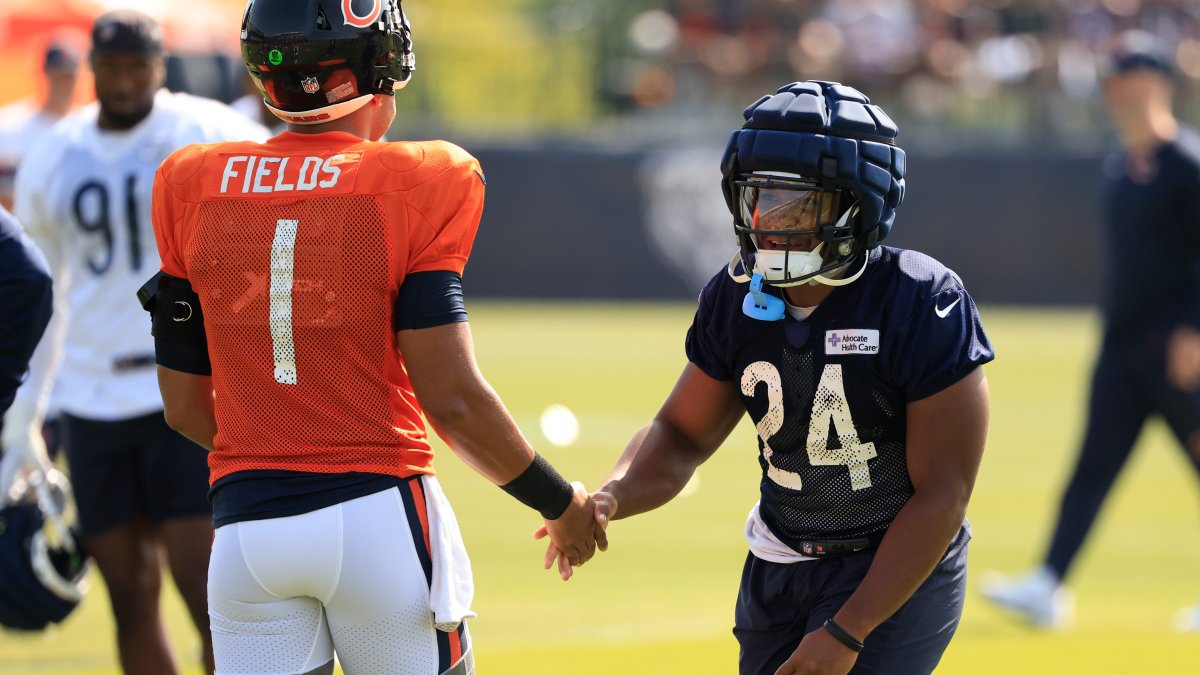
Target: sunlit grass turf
{"points": [[660, 601]]}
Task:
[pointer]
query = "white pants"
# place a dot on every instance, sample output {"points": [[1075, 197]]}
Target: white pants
{"points": [[285, 593]]}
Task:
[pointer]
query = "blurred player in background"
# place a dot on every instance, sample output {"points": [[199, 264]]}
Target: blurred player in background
{"points": [[309, 312], [83, 193], [860, 366], [1149, 361], [25, 308], [23, 123], [25, 305]]}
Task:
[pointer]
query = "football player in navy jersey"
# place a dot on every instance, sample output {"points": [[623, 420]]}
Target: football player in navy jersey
{"points": [[1149, 358], [25, 309], [24, 306], [860, 366]]}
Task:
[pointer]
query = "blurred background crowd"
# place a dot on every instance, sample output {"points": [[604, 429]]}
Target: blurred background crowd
{"points": [[957, 74], [1018, 73]]}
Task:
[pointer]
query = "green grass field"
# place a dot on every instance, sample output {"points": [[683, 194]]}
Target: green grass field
{"points": [[660, 601]]}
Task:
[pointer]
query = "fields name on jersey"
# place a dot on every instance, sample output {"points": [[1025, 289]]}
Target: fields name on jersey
{"points": [[253, 173], [852, 341]]}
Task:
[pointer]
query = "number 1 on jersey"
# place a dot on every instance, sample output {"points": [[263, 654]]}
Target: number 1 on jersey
{"points": [[283, 273]]}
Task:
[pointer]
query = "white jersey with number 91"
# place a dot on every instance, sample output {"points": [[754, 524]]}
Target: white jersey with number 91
{"points": [[83, 194]]}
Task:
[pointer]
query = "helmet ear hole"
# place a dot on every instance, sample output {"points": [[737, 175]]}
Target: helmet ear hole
{"points": [[865, 234]]}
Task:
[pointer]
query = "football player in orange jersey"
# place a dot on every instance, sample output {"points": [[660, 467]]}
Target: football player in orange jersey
{"points": [[309, 312]]}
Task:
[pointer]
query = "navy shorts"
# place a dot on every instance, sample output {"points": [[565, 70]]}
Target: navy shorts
{"points": [[126, 469], [778, 604]]}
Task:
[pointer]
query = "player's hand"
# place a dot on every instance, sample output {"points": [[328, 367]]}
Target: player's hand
{"points": [[606, 510], [596, 537], [24, 447], [1183, 358], [819, 653]]}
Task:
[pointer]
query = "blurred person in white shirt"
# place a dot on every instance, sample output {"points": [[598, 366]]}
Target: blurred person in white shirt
{"points": [[83, 194], [22, 123]]}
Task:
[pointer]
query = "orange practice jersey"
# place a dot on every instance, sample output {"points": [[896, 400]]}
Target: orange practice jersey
{"points": [[297, 248]]}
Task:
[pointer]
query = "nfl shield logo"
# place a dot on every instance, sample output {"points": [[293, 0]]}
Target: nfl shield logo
{"points": [[310, 85], [806, 548]]}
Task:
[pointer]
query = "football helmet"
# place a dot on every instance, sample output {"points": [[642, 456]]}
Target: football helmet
{"points": [[813, 179], [318, 60], [43, 567]]}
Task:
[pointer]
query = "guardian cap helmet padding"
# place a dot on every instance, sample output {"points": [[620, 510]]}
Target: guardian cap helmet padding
{"points": [[820, 137], [318, 60]]}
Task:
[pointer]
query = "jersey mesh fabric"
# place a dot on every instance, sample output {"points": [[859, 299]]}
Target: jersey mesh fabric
{"points": [[341, 338], [826, 507], [305, 369]]}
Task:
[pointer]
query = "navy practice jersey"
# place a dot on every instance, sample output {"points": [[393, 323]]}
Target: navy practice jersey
{"points": [[24, 305], [1152, 208], [828, 394]]}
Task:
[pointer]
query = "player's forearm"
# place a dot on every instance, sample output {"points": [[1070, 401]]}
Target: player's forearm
{"points": [[945, 440], [188, 405], [656, 464], [479, 429], [197, 423], [915, 542], [197, 429]]}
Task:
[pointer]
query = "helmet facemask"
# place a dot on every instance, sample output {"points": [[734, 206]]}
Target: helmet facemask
{"points": [[791, 230]]}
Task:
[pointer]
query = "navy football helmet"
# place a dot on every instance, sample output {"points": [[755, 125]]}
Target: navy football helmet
{"points": [[813, 179], [318, 60], [42, 566]]}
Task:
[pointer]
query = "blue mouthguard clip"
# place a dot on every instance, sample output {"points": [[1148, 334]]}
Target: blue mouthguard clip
{"points": [[761, 306]]}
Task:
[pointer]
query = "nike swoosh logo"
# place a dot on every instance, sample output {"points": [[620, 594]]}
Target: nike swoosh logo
{"points": [[942, 312]]}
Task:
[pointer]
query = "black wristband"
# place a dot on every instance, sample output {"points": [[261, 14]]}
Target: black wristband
{"points": [[842, 636], [541, 488]]}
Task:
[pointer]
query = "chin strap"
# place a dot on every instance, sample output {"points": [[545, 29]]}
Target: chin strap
{"points": [[822, 279], [732, 269], [742, 277]]}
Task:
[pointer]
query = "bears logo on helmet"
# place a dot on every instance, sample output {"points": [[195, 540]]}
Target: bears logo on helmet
{"points": [[351, 18]]}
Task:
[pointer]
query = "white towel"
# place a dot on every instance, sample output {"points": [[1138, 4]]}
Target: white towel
{"points": [[453, 587]]}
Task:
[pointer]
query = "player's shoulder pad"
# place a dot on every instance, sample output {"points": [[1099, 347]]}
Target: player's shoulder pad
{"points": [[16, 114], [181, 166], [47, 152], [925, 275], [422, 161], [722, 288]]}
